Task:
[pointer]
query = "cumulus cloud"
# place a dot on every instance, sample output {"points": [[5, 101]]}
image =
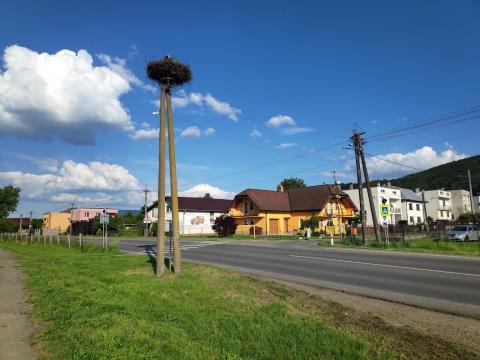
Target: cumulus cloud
{"points": [[280, 120], [119, 66], [191, 131], [209, 131], [255, 134], [285, 146], [423, 158], [60, 95], [183, 99], [145, 134], [201, 189]]}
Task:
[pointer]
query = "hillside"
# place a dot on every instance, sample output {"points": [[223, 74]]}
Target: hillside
{"points": [[450, 176]]}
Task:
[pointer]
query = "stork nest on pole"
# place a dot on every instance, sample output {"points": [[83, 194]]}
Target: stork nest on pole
{"points": [[169, 72]]}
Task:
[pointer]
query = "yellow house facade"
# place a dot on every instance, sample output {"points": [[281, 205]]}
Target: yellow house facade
{"points": [[56, 221], [281, 212]]}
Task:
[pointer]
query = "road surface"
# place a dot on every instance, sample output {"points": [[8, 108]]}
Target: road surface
{"points": [[439, 282]]}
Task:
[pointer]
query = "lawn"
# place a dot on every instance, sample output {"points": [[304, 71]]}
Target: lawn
{"points": [[427, 245], [93, 305]]}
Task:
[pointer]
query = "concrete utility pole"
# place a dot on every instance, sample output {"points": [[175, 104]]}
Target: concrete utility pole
{"points": [[145, 226], [20, 227], [177, 256], [471, 194], [30, 223], [425, 213], [360, 187], [161, 189], [360, 144]]}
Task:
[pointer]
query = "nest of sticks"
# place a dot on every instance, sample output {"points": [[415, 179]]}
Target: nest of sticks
{"points": [[169, 72]]}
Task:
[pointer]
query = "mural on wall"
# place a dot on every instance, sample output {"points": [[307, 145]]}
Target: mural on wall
{"points": [[198, 220]]}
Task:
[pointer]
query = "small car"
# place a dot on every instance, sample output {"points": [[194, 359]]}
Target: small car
{"points": [[462, 233]]}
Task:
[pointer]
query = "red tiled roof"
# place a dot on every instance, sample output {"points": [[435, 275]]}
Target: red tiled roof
{"points": [[199, 204]]}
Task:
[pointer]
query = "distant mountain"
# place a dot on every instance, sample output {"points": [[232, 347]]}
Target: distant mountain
{"points": [[125, 212], [451, 176]]}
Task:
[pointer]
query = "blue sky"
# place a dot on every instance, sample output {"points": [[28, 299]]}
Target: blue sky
{"points": [[275, 83]]}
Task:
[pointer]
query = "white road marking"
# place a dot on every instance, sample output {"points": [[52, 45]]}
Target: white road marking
{"points": [[384, 265]]}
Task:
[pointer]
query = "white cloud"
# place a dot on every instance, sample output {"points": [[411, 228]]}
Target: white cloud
{"points": [[145, 134], [50, 165], [255, 134], [182, 99], [280, 120], [119, 66], [191, 131], [423, 158], [294, 130], [201, 189], [285, 146], [63, 94], [209, 131]]}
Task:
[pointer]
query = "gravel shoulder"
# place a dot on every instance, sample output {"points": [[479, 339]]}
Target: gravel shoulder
{"points": [[16, 327]]}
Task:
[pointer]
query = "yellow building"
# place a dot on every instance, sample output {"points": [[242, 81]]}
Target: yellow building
{"points": [[56, 221], [281, 212]]}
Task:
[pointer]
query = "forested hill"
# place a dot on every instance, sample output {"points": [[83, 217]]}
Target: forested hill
{"points": [[450, 176]]}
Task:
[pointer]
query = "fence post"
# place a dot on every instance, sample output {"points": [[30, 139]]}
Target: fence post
{"points": [[80, 240], [50, 240], [68, 238], [58, 240]]}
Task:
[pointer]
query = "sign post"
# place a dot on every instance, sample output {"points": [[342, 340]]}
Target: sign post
{"points": [[104, 220], [385, 213]]}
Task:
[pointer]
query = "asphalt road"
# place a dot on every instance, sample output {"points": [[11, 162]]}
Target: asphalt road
{"points": [[440, 282]]}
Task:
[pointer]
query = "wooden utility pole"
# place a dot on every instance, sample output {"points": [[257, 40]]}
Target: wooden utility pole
{"points": [[472, 204], [177, 256], [425, 213], [71, 219], [359, 144], [360, 187], [161, 189]]}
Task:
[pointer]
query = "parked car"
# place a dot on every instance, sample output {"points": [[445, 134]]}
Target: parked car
{"points": [[462, 233]]}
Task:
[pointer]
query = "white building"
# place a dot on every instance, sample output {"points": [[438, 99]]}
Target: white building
{"points": [[391, 197], [476, 204], [196, 215], [460, 203], [438, 204], [412, 207]]}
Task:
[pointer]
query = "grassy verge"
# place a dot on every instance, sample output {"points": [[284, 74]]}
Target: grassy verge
{"points": [[110, 306], [426, 245]]}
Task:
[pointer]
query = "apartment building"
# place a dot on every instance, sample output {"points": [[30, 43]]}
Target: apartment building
{"points": [[382, 195], [438, 204], [460, 203], [412, 207]]}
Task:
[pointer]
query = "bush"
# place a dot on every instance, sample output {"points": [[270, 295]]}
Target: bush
{"points": [[258, 230], [224, 225], [8, 226]]}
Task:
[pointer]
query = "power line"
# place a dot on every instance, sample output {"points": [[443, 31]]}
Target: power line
{"points": [[393, 162]]}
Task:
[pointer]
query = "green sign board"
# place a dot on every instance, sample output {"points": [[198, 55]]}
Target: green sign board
{"points": [[384, 210]]}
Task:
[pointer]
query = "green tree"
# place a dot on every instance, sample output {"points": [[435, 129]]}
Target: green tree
{"points": [[292, 183], [310, 223], [207, 196], [9, 196]]}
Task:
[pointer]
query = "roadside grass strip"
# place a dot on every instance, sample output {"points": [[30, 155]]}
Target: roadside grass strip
{"points": [[113, 307], [426, 245]]}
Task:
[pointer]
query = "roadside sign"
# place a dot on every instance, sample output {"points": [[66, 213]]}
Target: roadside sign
{"points": [[104, 218], [384, 210]]}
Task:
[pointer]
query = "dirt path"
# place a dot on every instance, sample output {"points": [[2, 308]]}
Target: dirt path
{"points": [[16, 327]]}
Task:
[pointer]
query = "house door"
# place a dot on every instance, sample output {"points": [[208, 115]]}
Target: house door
{"points": [[273, 226]]}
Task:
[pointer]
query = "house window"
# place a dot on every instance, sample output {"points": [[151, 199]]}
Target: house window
{"points": [[394, 193], [87, 214], [382, 191], [418, 219], [245, 208], [410, 206], [251, 205], [212, 217], [411, 219], [418, 207], [246, 221]]}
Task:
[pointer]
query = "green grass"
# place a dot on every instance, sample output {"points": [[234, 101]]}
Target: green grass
{"points": [[426, 245], [109, 306]]}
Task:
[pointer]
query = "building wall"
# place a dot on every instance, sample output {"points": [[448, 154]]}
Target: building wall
{"points": [[394, 201], [85, 214], [289, 222], [460, 203], [56, 221], [438, 204], [415, 215], [476, 204]]}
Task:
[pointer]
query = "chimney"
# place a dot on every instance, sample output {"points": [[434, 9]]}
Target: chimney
{"points": [[351, 187], [280, 188], [417, 190], [389, 184], [378, 184]]}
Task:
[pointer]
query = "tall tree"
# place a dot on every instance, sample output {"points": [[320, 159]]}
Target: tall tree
{"points": [[207, 196], [9, 196], [292, 183]]}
